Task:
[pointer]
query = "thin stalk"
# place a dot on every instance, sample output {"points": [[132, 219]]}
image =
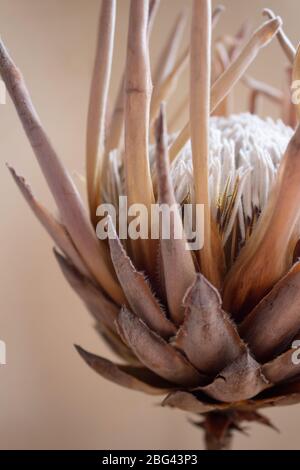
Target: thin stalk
{"points": [[199, 121], [224, 84], [137, 113], [65, 193], [95, 155], [287, 46]]}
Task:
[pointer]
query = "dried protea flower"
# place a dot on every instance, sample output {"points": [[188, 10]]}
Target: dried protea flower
{"points": [[212, 329]]}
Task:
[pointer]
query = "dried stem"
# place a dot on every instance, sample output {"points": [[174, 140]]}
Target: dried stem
{"points": [[137, 113], [224, 84], [116, 127], [296, 74], [199, 121], [95, 155], [261, 37], [258, 89], [290, 112], [218, 431], [117, 120], [153, 10], [284, 41], [60, 183], [177, 114], [168, 56], [162, 92], [216, 15], [167, 71], [213, 443]]}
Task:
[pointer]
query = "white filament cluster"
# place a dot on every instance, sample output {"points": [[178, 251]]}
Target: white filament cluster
{"points": [[245, 152]]}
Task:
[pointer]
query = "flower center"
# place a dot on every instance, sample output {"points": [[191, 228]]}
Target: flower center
{"points": [[245, 152]]}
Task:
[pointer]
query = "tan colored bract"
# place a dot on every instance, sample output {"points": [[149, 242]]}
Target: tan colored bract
{"points": [[211, 330]]}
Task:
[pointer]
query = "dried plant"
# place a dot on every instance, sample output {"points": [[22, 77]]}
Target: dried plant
{"points": [[211, 329]]}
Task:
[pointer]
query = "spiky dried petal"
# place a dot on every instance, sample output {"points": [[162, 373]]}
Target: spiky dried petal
{"points": [[273, 323], [135, 378], [192, 402], [116, 344], [155, 353], [282, 395], [207, 336], [60, 183], [252, 416], [54, 228], [102, 309], [178, 265], [137, 289], [239, 381], [282, 367]]}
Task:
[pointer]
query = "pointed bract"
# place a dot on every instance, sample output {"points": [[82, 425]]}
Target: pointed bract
{"points": [[178, 265], [155, 353], [135, 378], [271, 326], [239, 381], [138, 292], [208, 337]]}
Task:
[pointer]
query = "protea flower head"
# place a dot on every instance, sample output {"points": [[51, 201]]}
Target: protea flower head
{"points": [[212, 330]]}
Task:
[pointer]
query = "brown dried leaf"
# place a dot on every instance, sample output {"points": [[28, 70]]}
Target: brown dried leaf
{"points": [[178, 265], [116, 344], [280, 395], [273, 323], [192, 402], [102, 309], [251, 416], [155, 353], [135, 378], [65, 193], [207, 336], [137, 289], [54, 228], [241, 380], [282, 368]]}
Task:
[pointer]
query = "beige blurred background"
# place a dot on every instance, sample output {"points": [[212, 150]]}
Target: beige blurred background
{"points": [[49, 399]]}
